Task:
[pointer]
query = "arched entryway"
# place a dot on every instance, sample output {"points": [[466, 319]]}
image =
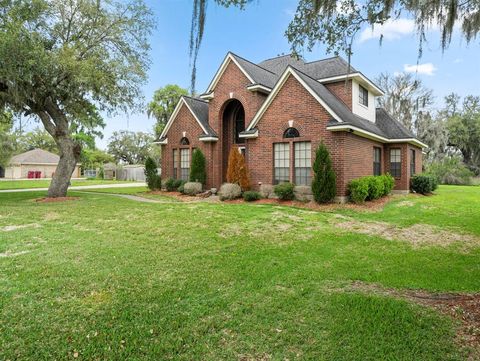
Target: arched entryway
{"points": [[233, 123]]}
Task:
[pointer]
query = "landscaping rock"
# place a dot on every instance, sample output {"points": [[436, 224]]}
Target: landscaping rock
{"points": [[230, 191], [303, 193], [192, 188]]}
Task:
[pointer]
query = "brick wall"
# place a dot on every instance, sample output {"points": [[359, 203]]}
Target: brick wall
{"points": [[231, 85], [343, 90], [185, 122]]}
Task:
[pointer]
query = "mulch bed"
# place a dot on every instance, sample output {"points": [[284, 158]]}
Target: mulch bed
{"points": [[56, 199]]}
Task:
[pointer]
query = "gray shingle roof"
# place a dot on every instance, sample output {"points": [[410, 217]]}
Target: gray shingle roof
{"points": [[391, 127], [200, 109], [385, 126], [35, 156], [319, 69], [257, 73]]}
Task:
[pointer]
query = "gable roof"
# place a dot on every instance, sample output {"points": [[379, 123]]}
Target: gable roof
{"points": [[198, 108], [35, 156], [386, 129]]}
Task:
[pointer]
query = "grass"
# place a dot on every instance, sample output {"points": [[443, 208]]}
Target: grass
{"points": [[109, 278], [44, 183]]}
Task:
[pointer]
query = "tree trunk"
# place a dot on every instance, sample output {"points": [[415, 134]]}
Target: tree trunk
{"points": [[69, 157]]}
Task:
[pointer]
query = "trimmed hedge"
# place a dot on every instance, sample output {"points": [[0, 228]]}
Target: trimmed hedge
{"points": [[170, 185], [423, 183], [358, 190], [370, 187], [285, 191], [250, 196], [152, 178]]}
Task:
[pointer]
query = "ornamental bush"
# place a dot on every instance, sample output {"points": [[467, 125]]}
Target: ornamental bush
{"points": [[358, 189], [376, 187], [153, 179], [170, 185], [230, 191], [423, 183], [250, 196], [388, 184], [324, 179], [192, 188], [285, 191], [198, 171], [237, 171]]}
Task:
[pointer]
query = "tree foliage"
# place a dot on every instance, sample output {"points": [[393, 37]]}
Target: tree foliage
{"points": [[64, 61], [7, 147], [237, 171], [336, 23], [131, 147], [198, 171], [93, 158], [324, 179], [37, 138], [152, 178], [463, 124], [163, 104]]}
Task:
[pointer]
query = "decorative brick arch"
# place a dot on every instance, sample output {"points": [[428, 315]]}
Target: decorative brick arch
{"points": [[233, 121]]}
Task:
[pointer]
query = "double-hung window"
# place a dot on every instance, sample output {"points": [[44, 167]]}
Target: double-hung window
{"points": [[281, 162], [412, 162], [303, 163], [377, 161], [395, 163], [175, 163], [184, 163], [362, 95]]}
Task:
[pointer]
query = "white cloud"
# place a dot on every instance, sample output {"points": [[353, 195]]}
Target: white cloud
{"points": [[391, 30], [457, 61], [424, 69]]}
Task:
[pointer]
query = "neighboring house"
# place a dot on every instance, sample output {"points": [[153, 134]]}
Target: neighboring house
{"points": [[277, 112], [36, 163]]}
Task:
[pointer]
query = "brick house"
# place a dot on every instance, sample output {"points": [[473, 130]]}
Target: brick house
{"points": [[277, 112]]}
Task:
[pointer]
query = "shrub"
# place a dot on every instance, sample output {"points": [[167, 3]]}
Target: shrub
{"points": [[266, 190], [192, 188], [324, 179], [250, 196], [178, 183], [358, 189], [423, 183], [171, 185], [181, 186], [376, 187], [450, 171], [154, 181], [230, 191], [198, 172], [237, 171], [388, 184], [285, 191], [101, 173]]}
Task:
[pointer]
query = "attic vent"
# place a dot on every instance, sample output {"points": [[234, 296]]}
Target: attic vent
{"points": [[291, 133]]}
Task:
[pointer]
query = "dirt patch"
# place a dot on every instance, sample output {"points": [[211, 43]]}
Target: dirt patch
{"points": [[20, 226], [12, 254], [418, 235], [56, 199], [460, 306], [405, 204], [177, 195]]}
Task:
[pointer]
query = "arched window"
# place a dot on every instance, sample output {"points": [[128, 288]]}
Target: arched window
{"points": [[184, 141], [291, 133]]}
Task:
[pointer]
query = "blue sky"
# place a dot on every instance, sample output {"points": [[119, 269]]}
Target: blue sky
{"points": [[257, 33]]}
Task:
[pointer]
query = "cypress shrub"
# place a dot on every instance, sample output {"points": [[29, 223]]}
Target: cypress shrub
{"points": [[198, 172], [154, 181], [237, 172], [324, 179]]}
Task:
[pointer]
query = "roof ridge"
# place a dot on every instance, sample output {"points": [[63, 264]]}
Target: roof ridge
{"points": [[277, 57], [251, 62], [329, 58], [193, 98]]}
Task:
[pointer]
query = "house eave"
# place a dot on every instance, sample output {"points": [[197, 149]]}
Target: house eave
{"points": [[249, 135], [208, 139], [357, 76], [259, 88], [161, 142], [373, 136], [207, 96]]}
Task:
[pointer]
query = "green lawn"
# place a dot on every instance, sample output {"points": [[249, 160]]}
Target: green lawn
{"points": [[44, 183], [107, 278]]}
